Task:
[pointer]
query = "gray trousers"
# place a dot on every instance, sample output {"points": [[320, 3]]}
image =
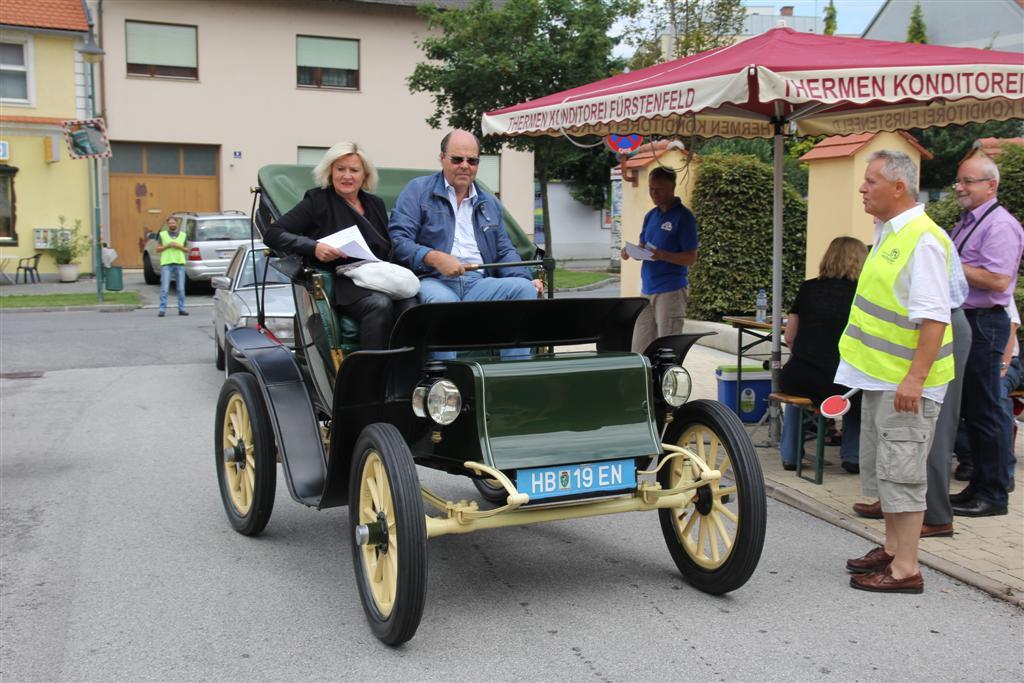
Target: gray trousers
{"points": [[940, 457]]}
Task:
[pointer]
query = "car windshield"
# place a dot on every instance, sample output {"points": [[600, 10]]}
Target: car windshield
{"points": [[221, 229], [273, 276]]}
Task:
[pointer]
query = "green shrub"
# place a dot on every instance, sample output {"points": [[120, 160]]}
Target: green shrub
{"points": [[732, 200], [945, 212]]}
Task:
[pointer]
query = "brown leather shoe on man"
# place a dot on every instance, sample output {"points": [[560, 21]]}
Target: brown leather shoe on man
{"points": [[936, 530], [874, 561], [869, 510], [883, 582]]}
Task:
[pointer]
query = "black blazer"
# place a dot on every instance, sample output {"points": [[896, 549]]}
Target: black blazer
{"points": [[321, 213]]}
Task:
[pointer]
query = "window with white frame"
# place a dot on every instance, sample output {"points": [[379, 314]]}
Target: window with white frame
{"points": [[16, 70], [161, 50], [8, 216], [489, 171], [327, 62], [310, 156]]}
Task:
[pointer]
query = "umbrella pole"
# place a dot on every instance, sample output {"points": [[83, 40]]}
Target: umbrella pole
{"points": [[774, 415]]}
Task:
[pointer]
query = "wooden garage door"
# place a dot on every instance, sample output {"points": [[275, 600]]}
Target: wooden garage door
{"points": [[148, 181]]}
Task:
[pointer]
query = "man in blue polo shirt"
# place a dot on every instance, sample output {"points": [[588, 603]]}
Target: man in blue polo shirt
{"points": [[670, 234]]}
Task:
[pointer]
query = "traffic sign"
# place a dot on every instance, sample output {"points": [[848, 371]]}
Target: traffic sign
{"points": [[624, 144]]}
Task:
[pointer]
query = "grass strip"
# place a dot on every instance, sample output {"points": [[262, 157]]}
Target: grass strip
{"points": [[61, 300], [570, 279]]}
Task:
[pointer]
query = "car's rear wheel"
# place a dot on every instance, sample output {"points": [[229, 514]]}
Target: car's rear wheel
{"points": [[148, 274], [245, 454], [389, 533], [715, 540]]}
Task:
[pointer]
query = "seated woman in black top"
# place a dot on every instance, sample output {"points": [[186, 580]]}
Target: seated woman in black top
{"points": [[816, 321], [344, 175]]}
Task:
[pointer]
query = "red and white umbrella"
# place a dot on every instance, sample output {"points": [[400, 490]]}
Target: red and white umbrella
{"points": [[824, 85]]}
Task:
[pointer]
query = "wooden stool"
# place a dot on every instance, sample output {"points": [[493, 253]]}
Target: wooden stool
{"points": [[810, 416]]}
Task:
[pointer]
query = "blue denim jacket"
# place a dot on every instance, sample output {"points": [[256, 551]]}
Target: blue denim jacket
{"points": [[423, 220]]}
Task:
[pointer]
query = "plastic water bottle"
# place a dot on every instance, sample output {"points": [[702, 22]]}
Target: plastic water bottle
{"points": [[762, 305]]}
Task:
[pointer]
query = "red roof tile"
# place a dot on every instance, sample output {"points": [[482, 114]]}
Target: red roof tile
{"points": [[66, 15], [649, 151], [993, 147], [838, 146]]}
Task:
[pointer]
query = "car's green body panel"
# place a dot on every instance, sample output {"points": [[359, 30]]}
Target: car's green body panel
{"points": [[549, 410]]}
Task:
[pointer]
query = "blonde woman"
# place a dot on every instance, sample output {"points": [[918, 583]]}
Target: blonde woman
{"points": [[816, 321], [345, 176]]}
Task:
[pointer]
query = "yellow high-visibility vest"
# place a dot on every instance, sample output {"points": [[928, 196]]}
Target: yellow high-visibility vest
{"points": [[879, 340], [172, 256]]}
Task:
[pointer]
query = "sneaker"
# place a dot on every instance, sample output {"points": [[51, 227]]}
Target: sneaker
{"points": [[161, 314], [182, 312]]}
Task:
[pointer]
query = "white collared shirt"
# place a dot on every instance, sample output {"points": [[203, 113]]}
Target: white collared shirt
{"points": [[922, 287], [464, 247]]}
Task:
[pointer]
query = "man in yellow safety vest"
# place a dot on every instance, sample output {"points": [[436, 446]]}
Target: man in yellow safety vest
{"points": [[898, 349]]}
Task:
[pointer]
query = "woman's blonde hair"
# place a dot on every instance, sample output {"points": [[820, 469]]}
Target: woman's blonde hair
{"points": [[843, 259], [322, 171]]}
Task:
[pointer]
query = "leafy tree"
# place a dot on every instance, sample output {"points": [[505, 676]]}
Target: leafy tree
{"points": [[482, 58], [732, 200], [916, 32], [830, 18], [952, 143], [793, 171], [692, 26]]}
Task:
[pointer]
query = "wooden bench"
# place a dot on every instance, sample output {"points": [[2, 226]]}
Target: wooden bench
{"points": [[811, 417]]}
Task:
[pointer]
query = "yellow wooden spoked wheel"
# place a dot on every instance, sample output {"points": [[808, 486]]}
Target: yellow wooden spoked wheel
{"points": [[716, 539], [390, 535], [377, 509], [245, 454]]}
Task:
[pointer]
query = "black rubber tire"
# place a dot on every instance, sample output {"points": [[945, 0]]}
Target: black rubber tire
{"points": [[491, 492], [218, 353], [148, 274], [241, 394], [396, 622], [734, 567]]}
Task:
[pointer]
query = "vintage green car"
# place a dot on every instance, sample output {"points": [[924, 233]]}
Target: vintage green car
{"points": [[581, 427]]}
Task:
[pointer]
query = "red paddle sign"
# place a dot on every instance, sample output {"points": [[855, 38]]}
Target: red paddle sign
{"points": [[837, 406]]}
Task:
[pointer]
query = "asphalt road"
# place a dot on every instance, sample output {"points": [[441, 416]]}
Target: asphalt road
{"points": [[117, 562]]}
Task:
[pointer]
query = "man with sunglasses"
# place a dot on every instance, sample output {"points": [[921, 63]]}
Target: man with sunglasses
{"points": [[990, 242], [444, 222]]}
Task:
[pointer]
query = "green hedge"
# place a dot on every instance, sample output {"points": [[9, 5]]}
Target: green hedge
{"points": [[732, 200]]}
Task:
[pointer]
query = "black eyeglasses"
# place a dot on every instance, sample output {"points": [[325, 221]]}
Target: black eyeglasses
{"points": [[970, 181], [472, 161]]}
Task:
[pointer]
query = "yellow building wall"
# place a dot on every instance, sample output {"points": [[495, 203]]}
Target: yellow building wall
{"points": [[55, 79], [44, 191], [834, 206], [636, 202]]}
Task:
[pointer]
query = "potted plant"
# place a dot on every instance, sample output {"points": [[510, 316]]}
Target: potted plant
{"points": [[66, 245]]}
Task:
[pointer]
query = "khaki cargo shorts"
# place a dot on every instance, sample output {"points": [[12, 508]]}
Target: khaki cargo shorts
{"points": [[894, 451]]}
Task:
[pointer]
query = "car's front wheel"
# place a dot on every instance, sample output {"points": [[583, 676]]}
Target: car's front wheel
{"points": [[716, 539], [389, 533], [148, 274]]}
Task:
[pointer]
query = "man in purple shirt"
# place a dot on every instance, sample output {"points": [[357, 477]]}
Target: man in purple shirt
{"points": [[990, 242]]}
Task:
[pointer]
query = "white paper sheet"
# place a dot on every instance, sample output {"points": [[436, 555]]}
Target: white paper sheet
{"points": [[638, 252], [350, 241]]}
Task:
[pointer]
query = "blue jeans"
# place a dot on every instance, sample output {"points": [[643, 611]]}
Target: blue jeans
{"points": [[988, 429], [1011, 380], [475, 286], [849, 447], [177, 272]]}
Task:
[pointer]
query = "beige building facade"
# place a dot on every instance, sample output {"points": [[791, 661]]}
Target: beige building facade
{"points": [[199, 94]]}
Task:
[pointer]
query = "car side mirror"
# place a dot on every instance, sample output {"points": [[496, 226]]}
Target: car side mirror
{"points": [[151, 235], [220, 282]]}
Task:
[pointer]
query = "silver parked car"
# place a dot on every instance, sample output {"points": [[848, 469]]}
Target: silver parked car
{"points": [[234, 299], [210, 241]]}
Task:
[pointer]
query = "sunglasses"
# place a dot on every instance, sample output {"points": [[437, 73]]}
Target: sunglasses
{"points": [[472, 161]]}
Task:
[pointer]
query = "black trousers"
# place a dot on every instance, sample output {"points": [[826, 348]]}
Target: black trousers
{"points": [[376, 314]]}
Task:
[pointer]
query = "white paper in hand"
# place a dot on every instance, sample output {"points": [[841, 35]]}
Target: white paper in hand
{"points": [[351, 242], [638, 252]]}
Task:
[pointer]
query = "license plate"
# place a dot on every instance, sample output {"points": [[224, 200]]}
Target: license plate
{"points": [[226, 253], [572, 480]]}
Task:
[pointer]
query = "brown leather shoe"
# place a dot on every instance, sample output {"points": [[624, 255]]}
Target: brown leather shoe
{"points": [[874, 561], [883, 582], [869, 510], [935, 530]]}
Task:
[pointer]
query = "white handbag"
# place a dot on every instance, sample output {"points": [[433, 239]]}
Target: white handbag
{"points": [[396, 281]]}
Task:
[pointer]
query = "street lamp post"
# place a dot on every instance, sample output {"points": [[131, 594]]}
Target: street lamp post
{"points": [[93, 55]]}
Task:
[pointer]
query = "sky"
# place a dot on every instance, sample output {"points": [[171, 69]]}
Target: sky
{"points": [[852, 15]]}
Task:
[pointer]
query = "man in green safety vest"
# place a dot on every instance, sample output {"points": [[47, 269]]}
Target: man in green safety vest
{"points": [[172, 264], [898, 349]]}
